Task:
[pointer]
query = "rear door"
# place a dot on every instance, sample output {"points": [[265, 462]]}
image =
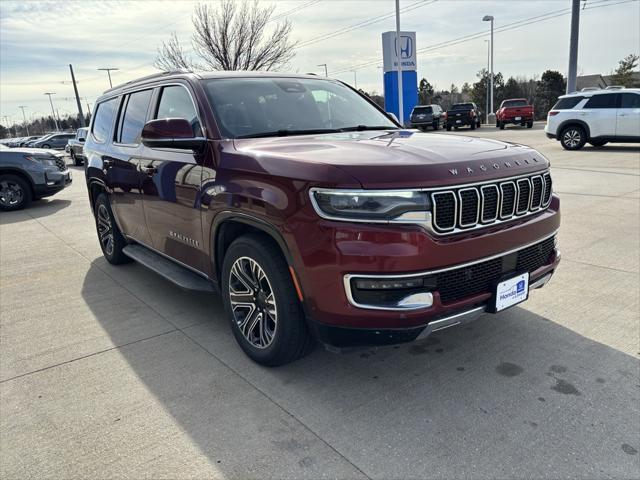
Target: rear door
{"points": [[123, 165], [172, 186], [628, 118], [600, 113]]}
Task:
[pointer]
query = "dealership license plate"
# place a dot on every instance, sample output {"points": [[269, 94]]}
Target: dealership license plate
{"points": [[512, 291], [458, 121], [518, 118]]}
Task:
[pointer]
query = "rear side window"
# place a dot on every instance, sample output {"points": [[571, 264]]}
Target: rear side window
{"points": [[606, 100], [135, 114], [103, 119], [567, 103], [630, 100], [175, 102]]}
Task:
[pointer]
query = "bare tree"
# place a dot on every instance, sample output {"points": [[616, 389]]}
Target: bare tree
{"points": [[171, 56], [234, 36]]}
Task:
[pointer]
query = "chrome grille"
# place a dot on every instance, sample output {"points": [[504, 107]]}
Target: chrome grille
{"points": [[473, 206]]}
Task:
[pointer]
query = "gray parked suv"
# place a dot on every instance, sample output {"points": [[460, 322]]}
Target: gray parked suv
{"points": [[28, 174], [423, 116], [57, 141]]}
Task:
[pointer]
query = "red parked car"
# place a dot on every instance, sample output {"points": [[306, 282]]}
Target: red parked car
{"points": [[312, 212], [516, 111]]}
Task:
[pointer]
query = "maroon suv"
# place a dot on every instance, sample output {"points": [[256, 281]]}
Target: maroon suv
{"points": [[312, 212]]}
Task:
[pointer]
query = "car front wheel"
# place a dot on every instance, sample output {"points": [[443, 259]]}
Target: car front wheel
{"points": [[573, 137], [14, 193], [261, 302]]}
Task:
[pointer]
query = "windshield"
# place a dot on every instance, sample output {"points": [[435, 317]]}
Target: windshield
{"points": [[514, 103], [418, 110], [462, 106], [254, 107]]}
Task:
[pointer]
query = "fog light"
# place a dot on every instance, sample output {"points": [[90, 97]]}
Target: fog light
{"points": [[417, 300], [388, 284]]}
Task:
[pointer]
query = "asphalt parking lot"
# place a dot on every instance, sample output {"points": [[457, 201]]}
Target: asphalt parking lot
{"points": [[112, 372]]}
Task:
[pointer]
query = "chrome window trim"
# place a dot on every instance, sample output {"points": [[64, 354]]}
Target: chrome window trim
{"points": [[455, 209], [477, 220], [515, 199], [349, 276], [498, 198]]}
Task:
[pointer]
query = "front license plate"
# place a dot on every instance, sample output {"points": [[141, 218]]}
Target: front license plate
{"points": [[458, 121], [512, 291], [518, 118]]}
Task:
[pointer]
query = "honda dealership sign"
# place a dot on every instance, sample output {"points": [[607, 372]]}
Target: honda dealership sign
{"points": [[403, 51]]}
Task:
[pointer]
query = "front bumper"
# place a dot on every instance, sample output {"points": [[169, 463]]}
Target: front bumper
{"points": [[54, 182]]}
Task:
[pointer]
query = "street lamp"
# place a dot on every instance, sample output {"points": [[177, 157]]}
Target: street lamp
{"points": [[355, 78], [109, 70], [53, 112], [489, 18], [326, 72], [24, 118]]}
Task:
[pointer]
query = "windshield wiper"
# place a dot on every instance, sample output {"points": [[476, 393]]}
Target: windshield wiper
{"points": [[362, 128], [286, 133]]}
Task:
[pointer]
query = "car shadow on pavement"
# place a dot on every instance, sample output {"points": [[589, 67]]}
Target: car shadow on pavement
{"points": [[610, 148], [510, 396], [37, 209]]}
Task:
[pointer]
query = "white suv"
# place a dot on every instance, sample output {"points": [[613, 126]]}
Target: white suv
{"points": [[597, 117]]}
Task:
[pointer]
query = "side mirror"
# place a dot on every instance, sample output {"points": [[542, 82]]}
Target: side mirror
{"points": [[82, 139], [171, 133]]}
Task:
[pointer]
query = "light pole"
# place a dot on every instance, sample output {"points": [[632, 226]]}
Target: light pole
{"points": [[489, 18], [355, 78], [24, 117], [109, 70], [573, 46], [399, 66], [326, 72], [53, 112], [486, 111]]}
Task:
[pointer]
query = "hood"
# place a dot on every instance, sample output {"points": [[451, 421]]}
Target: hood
{"points": [[37, 151], [402, 159]]}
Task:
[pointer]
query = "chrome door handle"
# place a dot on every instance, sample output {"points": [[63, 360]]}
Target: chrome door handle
{"points": [[149, 170]]}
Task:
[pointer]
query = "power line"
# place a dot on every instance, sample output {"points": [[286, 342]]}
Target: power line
{"points": [[294, 10], [504, 28]]}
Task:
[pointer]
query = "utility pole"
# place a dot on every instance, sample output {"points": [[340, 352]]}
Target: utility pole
{"points": [[326, 72], [6, 120], [573, 46], [109, 70], [399, 66], [53, 112], [486, 112], [24, 117], [355, 78], [489, 18], [75, 89]]}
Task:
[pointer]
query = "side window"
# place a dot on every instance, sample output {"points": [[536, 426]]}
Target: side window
{"points": [[606, 100], [135, 114], [567, 103], [630, 100], [103, 118], [175, 102]]}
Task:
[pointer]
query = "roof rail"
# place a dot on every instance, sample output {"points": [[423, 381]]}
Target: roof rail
{"points": [[615, 87], [149, 77], [590, 89]]}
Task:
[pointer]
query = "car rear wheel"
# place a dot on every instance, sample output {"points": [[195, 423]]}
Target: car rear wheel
{"points": [[573, 137], [14, 193], [473, 125], [261, 302], [436, 125], [501, 125], [529, 124], [448, 128], [597, 143], [112, 242]]}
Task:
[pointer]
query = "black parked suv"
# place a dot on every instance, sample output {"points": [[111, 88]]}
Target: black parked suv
{"points": [[463, 114], [423, 116]]}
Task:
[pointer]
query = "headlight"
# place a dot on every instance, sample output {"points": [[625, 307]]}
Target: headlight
{"points": [[372, 205], [47, 162]]}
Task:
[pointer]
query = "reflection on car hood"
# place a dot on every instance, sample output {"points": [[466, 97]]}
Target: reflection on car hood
{"points": [[383, 159]]}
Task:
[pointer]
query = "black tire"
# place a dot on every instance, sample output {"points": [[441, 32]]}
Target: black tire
{"points": [[479, 124], [529, 124], [473, 125], [448, 128], [497, 123], [15, 193], [502, 125], [273, 340], [573, 137], [76, 161], [111, 239], [46, 145], [597, 143], [436, 125]]}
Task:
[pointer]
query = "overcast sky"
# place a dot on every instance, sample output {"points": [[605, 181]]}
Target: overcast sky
{"points": [[39, 39]]}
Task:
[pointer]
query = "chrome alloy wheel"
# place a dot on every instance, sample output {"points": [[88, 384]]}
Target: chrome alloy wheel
{"points": [[105, 229], [572, 138], [11, 193], [253, 302]]}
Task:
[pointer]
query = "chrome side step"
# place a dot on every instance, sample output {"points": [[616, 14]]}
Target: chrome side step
{"points": [[181, 276]]}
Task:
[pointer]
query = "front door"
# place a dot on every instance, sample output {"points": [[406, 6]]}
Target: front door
{"points": [[600, 113], [628, 121], [171, 185]]}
